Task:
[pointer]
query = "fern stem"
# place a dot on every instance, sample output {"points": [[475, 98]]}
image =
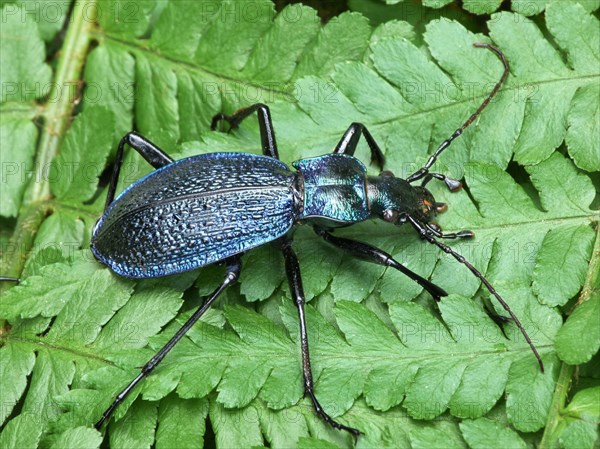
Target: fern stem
{"points": [[553, 423], [550, 437], [57, 118], [593, 274]]}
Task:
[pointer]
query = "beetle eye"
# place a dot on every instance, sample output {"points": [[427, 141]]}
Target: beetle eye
{"points": [[390, 215]]}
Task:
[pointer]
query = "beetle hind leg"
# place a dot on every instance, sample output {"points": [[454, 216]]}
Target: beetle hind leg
{"points": [[295, 280], [233, 267], [149, 151]]}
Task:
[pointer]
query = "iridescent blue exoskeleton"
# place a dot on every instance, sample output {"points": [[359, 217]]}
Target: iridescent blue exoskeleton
{"points": [[215, 207]]}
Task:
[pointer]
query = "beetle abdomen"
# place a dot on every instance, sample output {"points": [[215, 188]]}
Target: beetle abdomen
{"points": [[194, 212]]}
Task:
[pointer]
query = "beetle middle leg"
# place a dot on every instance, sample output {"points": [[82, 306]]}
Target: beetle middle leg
{"points": [[233, 266], [292, 269], [349, 141], [265, 124], [150, 152], [452, 184]]}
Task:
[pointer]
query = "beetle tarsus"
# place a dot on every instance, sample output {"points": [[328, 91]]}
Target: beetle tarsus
{"points": [[220, 117], [328, 419]]}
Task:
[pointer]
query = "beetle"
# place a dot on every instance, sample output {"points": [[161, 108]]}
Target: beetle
{"points": [[215, 207]]}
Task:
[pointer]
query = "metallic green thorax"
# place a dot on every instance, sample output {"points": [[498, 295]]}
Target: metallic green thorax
{"points": [[334, 188], [337, 191]]}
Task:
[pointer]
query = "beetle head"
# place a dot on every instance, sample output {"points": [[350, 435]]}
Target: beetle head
{"points": [[391, 198], [429, 206]]}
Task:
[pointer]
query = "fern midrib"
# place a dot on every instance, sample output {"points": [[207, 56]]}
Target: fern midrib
{"points": [[575, 219], [178, 63], [39, 342], [329, 357], [57, 116]]}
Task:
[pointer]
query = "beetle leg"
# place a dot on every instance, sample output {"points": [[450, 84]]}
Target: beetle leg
{"points": [[265, 124], [452, 184], [348, 142], [231, 276], [369, 253], [150, 152], [426, 234], [500, 320], [437, 231], [9, 279], [292, 269]]}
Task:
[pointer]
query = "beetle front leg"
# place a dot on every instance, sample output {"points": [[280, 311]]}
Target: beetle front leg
{"points": [[371, 254], [349, 141], [437, 232], [292, 269], [231, 276], [265, 124], [150, 152]]}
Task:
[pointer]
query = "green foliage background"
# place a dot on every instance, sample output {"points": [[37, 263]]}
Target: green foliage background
{"points": [[387, 360]]}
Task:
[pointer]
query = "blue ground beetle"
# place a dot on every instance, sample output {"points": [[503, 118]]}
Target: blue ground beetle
{"points": [[215, 207]]}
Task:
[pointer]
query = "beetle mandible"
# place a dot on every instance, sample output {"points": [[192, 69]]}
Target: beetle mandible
{"points": [[214, 207]]}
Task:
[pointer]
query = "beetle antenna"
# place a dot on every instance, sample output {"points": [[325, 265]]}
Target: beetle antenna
{"points": [[423, 171], [424, 233]]}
